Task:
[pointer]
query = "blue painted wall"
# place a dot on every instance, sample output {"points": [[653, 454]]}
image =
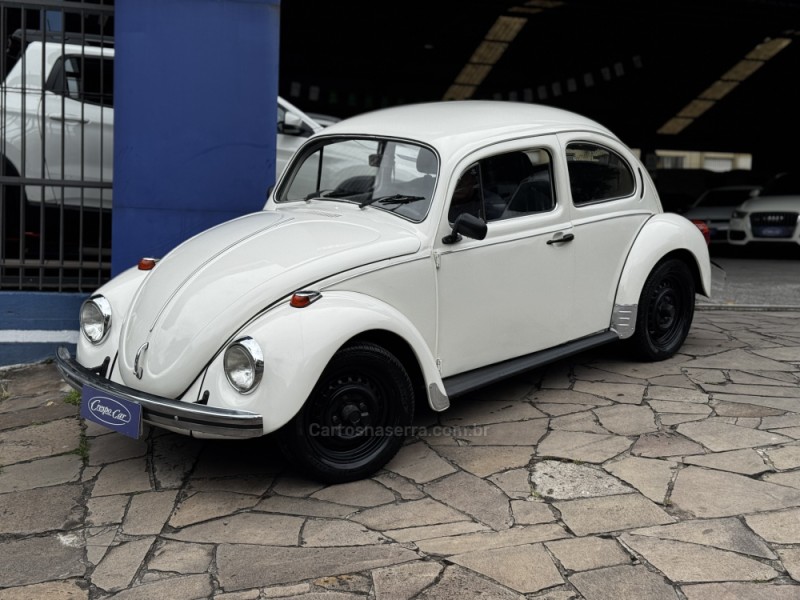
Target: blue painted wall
{"points": [[33, 325], [195, 102]]}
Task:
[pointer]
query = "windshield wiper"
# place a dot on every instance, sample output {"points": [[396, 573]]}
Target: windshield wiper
{"points": [[322, 194], [393, 199]]}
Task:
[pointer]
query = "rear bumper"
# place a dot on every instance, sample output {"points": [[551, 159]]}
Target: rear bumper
{"points": [[183, 417]]}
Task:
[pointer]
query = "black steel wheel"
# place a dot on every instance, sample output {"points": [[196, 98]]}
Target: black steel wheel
{"points": [[355, 419], [666, 310]]}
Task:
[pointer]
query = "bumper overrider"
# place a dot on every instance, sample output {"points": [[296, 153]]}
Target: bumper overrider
{"points": [[184, 417]]}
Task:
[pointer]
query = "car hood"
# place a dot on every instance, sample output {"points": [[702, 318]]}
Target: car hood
{"points": [[772, 204], [206, 289], [716, 213]]}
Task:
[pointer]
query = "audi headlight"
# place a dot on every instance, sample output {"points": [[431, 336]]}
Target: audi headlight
{"points": [[244, 364], [95, 319], [738, 214]]}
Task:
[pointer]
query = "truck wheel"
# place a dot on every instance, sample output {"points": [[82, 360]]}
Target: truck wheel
{"points": [[355, 419], [666, 309]]}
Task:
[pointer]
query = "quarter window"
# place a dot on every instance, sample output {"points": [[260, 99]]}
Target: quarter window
{"points": [[597, 174]]}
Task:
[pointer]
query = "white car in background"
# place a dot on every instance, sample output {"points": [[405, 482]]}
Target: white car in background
{"points": [[714, 207], [773, 216]]}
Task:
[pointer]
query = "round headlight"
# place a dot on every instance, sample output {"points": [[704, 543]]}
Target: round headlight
{"points": [[95, 319], [244, 364]]}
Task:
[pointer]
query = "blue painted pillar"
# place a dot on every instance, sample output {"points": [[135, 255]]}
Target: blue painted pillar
{"points": [[195, 103]]}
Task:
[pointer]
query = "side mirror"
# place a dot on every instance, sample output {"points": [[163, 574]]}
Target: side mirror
{"points": [[294, 125], [468, 225]]}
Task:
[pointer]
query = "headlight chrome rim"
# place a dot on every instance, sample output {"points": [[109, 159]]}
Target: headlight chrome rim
{"points": [[103, 306], [248, 348]]}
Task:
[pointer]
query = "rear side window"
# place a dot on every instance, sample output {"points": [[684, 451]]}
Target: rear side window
{"points": [[597, 174], [87, 79]]}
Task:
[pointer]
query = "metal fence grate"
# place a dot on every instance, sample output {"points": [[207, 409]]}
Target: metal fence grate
{"points": [[56, 144]]}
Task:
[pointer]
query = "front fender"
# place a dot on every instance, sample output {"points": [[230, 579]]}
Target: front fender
{"points": [[661, 235], [299, 342]]}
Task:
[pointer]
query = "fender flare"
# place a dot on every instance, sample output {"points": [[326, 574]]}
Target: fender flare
{"points": [[298, 343], [663, 235]]}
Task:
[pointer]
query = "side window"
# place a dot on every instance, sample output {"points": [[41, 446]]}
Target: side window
{"points": [[597, 174], [87, 79], [505, 186]]}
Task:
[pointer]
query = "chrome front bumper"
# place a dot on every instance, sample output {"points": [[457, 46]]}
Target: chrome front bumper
{"points": [[184, 417]]}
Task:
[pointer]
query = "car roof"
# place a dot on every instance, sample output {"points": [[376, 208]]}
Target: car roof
{"points": [[462, 122]]}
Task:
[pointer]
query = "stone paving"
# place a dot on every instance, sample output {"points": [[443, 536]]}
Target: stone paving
{"points": [[597, 478]]}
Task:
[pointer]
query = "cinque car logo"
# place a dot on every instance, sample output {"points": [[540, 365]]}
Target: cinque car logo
{"points": [[109, 411]]}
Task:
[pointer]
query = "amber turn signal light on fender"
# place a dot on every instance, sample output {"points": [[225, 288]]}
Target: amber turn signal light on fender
{"points": [[304, 298], [147, 264]]}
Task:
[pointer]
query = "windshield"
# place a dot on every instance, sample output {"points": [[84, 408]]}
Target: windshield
{"points": [[386, 174]]}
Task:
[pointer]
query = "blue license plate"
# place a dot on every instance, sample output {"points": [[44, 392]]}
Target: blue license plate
{"points": [[111, 411], [773, 231]]}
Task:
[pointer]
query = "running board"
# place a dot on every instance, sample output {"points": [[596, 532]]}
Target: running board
{"points": [[462, 383]]}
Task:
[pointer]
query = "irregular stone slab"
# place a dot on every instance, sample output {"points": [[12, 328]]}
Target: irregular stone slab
{"points": [[625, 393], [456, 580], [668, 420], [124, 477], [701, 376], [651, 477], [328, 532], [203, 506], [567, 397], [244, 528], [741, 591], [627, 420], [511, 567], [777, 527], [671, 381], [149, 512], [686, 408], [357, 493], [784, 421], [557, 377], [785, 458], [521, 433], [486, 460], [427, 532], [409, 514], [173, 458], [732, 409], [644, 370], [558, 410], [779, 404], [106, 510], [120, 564], [622, 582], [789, 479], [659, 445], [464, 413], [740, 360], [242, 566], [402, 486], [610, 513], [242, 484], [790, 557], [277, 591], [181, 558], [531, 513], [41, 473], [419, 463], [585, 421], [47, 409], [707, 493], [786, 353], [656, 393], [63, 561], [587, 553], [585, 447], [746, 462], [41, 509], [54, 590], [518, 536], [725, 534], [32, 380], [755, 390], [515, 483], [403, 582], [98, 541], [692, 563], [113, 448], [720, 437], [761, 378], [474, 496], [174, 588], [39, 441], [566, 481], [304, 507], [584, 373]]}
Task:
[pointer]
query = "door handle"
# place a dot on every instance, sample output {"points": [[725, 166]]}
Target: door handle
{"points": [[568, 237], [64, 119]]}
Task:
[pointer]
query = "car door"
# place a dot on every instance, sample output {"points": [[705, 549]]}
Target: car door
{"points": [[78, 127], [509, 294], [608, 208]]}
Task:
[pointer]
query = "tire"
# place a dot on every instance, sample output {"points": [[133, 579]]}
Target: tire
{"points": [[666, 310], [355, 419]]}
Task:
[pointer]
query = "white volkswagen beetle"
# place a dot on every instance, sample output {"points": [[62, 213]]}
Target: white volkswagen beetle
{"points": [[413, 253]]}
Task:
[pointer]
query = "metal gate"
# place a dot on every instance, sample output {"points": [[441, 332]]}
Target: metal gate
{"points": [[56, 144]]}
